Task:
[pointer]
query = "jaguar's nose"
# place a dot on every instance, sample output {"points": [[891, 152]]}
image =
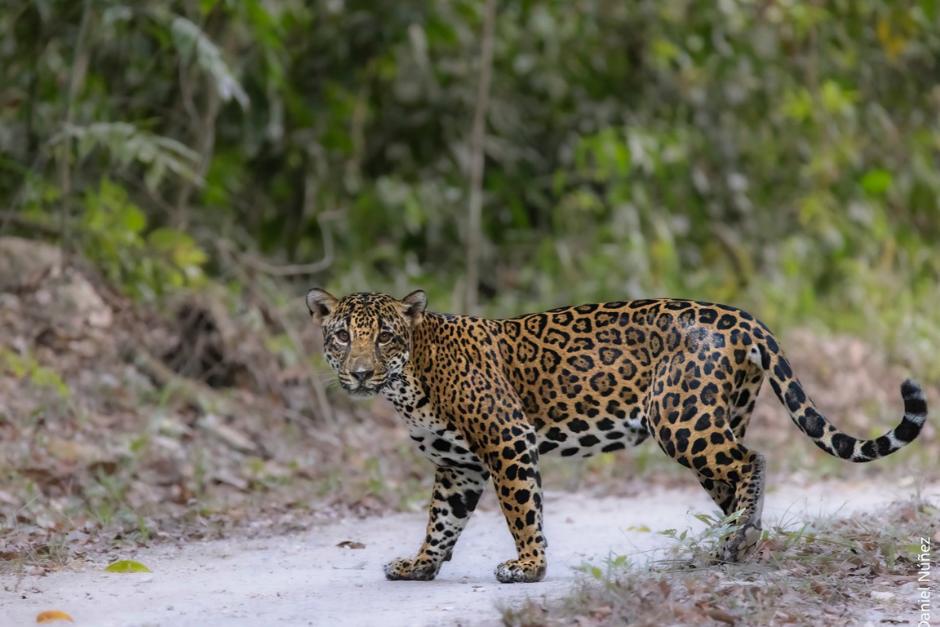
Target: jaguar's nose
{"points": [[362, 375]]}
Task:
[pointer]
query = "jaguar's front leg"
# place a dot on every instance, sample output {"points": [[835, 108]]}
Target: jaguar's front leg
{"points": [[519, 488], [455, 496]]}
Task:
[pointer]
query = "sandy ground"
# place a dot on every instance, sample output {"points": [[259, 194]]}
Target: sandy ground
{"points": [[306, 579]]}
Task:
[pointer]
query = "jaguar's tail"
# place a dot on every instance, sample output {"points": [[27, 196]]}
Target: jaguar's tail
{"points": [[826, 436]]}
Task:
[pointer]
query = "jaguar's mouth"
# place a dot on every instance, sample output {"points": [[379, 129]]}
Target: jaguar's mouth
{"points": [[359, 390], [363, 389]]}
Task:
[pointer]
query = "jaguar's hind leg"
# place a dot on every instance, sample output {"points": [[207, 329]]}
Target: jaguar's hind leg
{"points": [[725, 496], [691, 424], [742, 406], [722, 493], [744, 398], [749, 500]]}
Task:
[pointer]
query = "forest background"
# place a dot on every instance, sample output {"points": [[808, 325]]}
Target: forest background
{"points": [[778, 155]]}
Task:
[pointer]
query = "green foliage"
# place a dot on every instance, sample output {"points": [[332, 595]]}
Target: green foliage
{"points": [[125, 145], [193, 43], [146, 264], [26, 367], [778, 156]]}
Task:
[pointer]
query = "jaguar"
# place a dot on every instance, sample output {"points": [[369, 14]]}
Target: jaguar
{"points": [[484, 399]]}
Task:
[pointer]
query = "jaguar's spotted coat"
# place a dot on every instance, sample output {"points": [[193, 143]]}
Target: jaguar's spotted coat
{"points": [[485, 398]]}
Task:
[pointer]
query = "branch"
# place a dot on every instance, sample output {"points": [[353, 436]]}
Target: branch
{"points": [[478, 133], [77, 78], [203, 126], [298, 269]]}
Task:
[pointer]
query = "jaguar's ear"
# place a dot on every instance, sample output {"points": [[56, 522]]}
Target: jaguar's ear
{"points": [[415, 303], [320, 303]]}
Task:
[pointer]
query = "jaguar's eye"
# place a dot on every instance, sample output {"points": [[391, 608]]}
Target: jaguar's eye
{"points": [[385, 337], [343, 336]]}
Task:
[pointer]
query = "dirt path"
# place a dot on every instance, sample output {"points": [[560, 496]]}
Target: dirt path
{"points": [[306, 579]]}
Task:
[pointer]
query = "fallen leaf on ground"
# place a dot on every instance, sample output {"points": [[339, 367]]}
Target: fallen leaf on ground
{"points": [[53, 615], [720, 615], [127, 566], [351, 544], [602, 612]]}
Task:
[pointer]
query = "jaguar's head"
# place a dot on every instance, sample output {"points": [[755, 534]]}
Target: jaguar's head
{"points": [[366, 337]]}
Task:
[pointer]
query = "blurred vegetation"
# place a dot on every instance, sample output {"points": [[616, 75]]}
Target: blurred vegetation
{"points": [[781, 155]]}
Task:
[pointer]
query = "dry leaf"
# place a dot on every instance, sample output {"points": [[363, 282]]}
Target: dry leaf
{"points": [[720, 615], [351, 544], [665, 588], [53, 615], [602, 612]]}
